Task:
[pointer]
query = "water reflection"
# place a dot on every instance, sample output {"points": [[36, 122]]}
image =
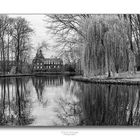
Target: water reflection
{"points": [[67, 106], [110, 104], [14, 102], [58, 101], [49, 81]]}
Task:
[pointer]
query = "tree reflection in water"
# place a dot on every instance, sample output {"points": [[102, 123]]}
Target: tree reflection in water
{"points": [[14, 102], [70, 103], [67, 107], [110, 104], [97, 104]]}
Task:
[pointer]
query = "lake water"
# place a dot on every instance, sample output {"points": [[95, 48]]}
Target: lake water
{"points": [[59, 101]]}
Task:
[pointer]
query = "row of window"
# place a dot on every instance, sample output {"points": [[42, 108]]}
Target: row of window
{"points": [[41, 64], [47, 67], [57, 63], [53, 63]]}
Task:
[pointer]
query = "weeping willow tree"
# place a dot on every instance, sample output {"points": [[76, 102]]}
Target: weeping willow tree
{"points": [[105, 49]]}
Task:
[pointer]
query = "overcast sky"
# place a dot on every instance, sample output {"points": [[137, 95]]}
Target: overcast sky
{"points": [[40, 32]]}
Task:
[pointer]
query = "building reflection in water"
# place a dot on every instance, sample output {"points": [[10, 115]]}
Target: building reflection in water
{"points": [[46, 88], [48, 81]]}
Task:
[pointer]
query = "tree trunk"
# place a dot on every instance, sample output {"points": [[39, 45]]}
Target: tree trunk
{"points": [[17, 58], [3, 53]]}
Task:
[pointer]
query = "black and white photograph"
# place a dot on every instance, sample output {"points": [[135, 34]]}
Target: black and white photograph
{"points": [[69, 70]]}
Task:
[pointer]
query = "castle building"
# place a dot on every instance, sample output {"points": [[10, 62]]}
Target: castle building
{"points": [[41, 64]]}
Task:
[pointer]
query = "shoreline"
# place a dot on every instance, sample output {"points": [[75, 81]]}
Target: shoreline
{"points": [[79, 78], [15, 75], [38, 74], [118, 81]]}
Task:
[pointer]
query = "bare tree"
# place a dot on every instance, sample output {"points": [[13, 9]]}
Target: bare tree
{"points": [[106, 37], [21, 36], [4, 24], [67, 31], [133, 20]]}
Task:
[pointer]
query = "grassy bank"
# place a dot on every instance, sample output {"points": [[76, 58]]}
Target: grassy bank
{"points": [[122, 78]]}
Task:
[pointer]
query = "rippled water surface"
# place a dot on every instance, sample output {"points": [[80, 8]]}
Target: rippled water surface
{"points": [[59, 101]]}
